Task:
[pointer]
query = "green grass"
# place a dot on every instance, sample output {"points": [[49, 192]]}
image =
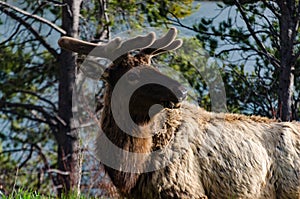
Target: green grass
{"points": [[27, 194], [23, 194]]}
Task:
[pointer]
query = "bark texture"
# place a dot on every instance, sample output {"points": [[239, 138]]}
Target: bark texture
{"points": [[69, 153]]}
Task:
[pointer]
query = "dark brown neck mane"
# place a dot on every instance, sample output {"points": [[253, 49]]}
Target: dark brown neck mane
{"points": [[118, 52], [124, 181]]}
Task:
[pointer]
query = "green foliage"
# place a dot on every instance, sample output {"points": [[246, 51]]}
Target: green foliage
{"points": [[251, 80], [8, 165], [191, 61], [133, 14], [25, 133], [29, 81]]}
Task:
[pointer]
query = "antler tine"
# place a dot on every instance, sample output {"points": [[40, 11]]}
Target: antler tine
{"points": [[165, 40], [132, 44], [173, 46], [163, 44], [76, 45], [105, 50], [86, 48], [112, 50]]}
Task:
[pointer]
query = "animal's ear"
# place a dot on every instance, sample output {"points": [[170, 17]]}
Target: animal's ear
{"points": [[92, 68]]}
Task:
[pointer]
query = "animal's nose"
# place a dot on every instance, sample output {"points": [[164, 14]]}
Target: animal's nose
{"points": [[180, 92]]}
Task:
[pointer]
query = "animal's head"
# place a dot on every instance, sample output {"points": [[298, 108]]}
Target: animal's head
{"points": [[133, 74]]}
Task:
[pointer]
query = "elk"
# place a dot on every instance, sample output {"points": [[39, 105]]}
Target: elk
{"points": [[213, 155]]}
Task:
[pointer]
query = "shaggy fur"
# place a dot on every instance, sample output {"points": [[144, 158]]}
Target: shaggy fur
{"points": [[221, 155], [211, 155], [218, 155], [225, 156]]}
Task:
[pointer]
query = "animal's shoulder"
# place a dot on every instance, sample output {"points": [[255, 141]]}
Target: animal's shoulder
{"points": [[191, 109]]}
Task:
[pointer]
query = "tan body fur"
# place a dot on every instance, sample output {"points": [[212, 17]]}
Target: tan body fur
{"points": [[211, 155], [223, 156], [227, 156]]}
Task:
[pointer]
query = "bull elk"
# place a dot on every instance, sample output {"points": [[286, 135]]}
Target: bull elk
{"points": [[220, 155]]}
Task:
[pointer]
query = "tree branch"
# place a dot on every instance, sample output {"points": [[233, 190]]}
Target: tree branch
{"points": [[271, 8], [50, 120], [32, 30], [18, 114], [231, 49], [38, 96], [36, 17], [44, 159], [296, 56], [58, 172], [14, 150], [11, 36], [272, 59], [27, 159]]}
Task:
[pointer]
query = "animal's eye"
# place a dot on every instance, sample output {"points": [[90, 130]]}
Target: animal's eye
{"points": [[133, 77]]}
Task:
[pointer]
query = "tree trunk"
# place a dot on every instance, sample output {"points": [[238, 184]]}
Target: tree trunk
{"points": [[288, 33], [69, 151], [286, 84], [103, 32]]}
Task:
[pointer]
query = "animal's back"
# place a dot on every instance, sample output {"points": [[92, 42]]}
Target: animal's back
{"points": [[224, 156]]}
